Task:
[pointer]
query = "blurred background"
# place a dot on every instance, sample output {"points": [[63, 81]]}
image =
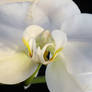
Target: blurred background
{"points": [[85, 7]]}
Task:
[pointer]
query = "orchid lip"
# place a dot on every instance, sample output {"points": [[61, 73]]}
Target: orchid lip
{"points": [[46, 54]]}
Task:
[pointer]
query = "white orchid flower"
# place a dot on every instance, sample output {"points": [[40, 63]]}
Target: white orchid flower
{"points": [[15, 16], [68, 61]]}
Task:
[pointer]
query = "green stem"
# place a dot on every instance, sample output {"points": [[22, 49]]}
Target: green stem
{"points": [[40, 79], [30, 79]]}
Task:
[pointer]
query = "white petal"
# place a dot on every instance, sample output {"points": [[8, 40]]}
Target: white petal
{"points": [[10, 35], [60, 38], [79, 27], [36, 16], [85, 80], [2, 2], [14, 14], [15, 67], [53, 12], [76, 59], [85, 48], [79, 63], [32, 32], [59, 80], [63, 13], [58, 11], [49, 5]]}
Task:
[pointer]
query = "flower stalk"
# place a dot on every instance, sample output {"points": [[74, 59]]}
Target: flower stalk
{"points": [[39, 79], [32, 78]]}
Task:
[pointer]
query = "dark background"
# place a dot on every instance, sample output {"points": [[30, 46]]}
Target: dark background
{"points": [[85, 7]]}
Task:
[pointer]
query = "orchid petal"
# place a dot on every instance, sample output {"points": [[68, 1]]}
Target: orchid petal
{"points": [[79, 28], [15, 67], [49, 5], [51, 16], [30, 35], [14, 14], [10, 35], [64, 12], [2, 2], [85, 80], [78, 57], [58, 11], [59, 79], [32, 32], [36, 16], [79, 54], [60, 38]]}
